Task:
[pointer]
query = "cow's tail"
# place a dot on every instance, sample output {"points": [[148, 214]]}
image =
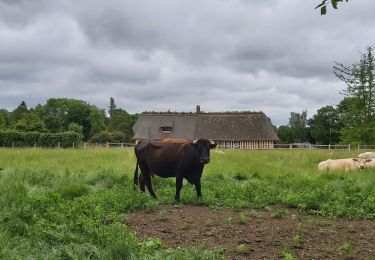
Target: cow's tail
{"points": [[136, 176]]}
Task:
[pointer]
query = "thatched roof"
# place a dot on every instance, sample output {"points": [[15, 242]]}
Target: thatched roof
{"points": [[234, 126]]}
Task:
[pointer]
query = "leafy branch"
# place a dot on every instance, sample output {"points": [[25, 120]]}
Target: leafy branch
{"points": [[323, 5]]}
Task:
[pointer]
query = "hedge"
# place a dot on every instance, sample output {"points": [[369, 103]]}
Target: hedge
{"points": [[66, 139], [105, 136]]}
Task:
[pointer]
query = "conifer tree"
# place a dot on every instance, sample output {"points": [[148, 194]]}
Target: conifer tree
{"points": [[360, 89], [112, 106]]}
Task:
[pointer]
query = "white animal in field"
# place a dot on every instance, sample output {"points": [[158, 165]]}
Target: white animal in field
{"points": [[345, 164], [367, 155]]}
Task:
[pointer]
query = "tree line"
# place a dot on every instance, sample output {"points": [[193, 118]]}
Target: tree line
{"points": [[352, 121], [63, 120]]}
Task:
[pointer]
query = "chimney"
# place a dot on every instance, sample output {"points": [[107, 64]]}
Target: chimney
{"points": [[198, 110]]}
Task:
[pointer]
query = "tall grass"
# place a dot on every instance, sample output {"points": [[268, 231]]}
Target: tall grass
{"points": [[291, 178], [72, 204]]}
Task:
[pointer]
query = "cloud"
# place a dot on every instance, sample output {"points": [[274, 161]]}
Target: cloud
{"points": [[271, 56]]}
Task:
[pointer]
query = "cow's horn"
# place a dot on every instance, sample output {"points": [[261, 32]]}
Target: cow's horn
{"points": [[195, 141], [212, 142]]}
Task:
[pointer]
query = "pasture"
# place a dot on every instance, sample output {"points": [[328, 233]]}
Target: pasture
{"points": [[75, 204]]}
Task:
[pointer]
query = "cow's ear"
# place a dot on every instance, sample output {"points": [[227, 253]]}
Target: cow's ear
{"points": [[355, 159], [368, 160], [212, 145], [195, 143]]}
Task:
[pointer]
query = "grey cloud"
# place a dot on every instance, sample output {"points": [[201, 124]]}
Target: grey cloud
{"points": [[122, 68]]}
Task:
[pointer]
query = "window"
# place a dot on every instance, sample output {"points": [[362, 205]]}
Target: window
{"points": [[166, 129]]}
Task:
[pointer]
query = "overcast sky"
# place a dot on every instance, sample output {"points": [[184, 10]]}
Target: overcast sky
{"points": [[274, 56]]}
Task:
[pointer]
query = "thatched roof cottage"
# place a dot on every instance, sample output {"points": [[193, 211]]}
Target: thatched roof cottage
{"points": [[246, 130]]}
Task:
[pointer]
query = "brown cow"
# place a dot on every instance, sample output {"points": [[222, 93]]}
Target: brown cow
{"points": [[180, 160]]}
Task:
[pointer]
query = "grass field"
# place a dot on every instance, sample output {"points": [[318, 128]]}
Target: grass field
{"points": [[72, 204]]}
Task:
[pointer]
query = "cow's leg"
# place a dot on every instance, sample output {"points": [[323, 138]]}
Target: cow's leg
{"points": [[147, 179], [142, 182], [136, 176], [179, 181], [198, 189]]}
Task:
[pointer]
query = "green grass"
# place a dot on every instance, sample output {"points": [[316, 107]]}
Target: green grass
{"points": [[72, 204]]}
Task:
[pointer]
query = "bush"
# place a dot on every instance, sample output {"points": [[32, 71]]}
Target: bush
{"points": [[49, 139], [31, 138], [118, 137], [74, 127], [66, 139], [101, 137], [105, 136], [7, 137]]}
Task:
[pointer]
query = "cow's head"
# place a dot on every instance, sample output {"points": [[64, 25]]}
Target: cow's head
{"points": [[203, 147], [362, 162]]}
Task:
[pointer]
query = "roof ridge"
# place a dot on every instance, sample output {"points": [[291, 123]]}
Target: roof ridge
{"points": [[202, 113]]}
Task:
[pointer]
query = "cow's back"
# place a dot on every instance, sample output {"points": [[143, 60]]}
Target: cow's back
{"points": [[157, 149], [369, 155], [159, 157], [338, 164], [342, 164], [172, 140]]}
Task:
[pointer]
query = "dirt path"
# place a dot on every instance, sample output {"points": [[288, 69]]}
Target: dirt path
{"points": [[254, 234]]}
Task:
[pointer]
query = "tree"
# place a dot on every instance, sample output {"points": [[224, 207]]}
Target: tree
{"points": [[325, 126], [53, 113], [2, 121], [296, 130], [58, 114], [112, 106], [123, 122], [79, 112], [298, 126], [18, 113], [101, 137], [323, 5], [74, 127], [97, 118], [29, 123], [351, 132], [358, 111], [4, 118], [344, 108], [285, 134]]}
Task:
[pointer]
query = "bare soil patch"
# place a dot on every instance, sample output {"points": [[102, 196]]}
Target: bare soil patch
{"points": [[258, 234]]}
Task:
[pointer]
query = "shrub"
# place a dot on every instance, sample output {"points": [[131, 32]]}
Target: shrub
{"points": [[48, 139], [30, 138], [102, 137], [74, 127], [66, 139], [105, 136], [7, 137], [118, 137]]}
